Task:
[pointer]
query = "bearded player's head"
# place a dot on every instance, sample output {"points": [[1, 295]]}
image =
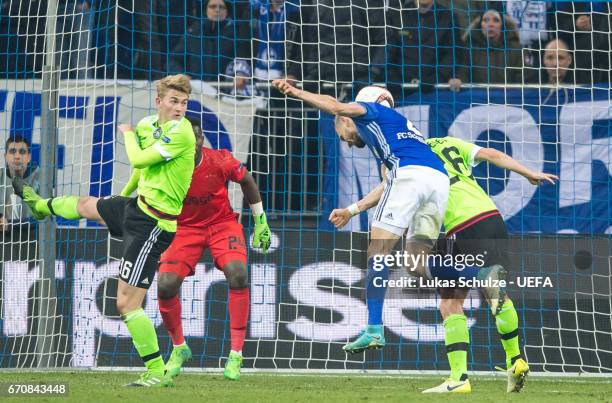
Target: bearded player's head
{"points": [[347, 131], [346, 128], [172, 97]]}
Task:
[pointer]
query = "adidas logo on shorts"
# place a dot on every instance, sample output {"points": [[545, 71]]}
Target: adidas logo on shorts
{"points": [[389, 216], [145, 281]]}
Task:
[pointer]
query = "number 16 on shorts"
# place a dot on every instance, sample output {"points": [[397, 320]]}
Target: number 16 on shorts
{"points": [[125, 269]]}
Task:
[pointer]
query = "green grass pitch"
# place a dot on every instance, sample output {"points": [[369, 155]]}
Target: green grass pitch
{"points": [[195, 387]]}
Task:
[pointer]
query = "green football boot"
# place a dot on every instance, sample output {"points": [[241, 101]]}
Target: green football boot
{"points": [[180, 355], [232, 366], [152, 380], [29, 196], [371, 338], [516, 376]]}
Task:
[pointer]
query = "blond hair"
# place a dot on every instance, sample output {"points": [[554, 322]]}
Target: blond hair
{"points": [[177, 82]]}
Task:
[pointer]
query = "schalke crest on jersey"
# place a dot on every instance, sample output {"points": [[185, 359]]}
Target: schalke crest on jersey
{"points": [[157, 133]]}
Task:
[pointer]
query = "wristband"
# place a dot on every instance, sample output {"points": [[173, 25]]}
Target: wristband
{"points": [[353, 209], [257, 209]]}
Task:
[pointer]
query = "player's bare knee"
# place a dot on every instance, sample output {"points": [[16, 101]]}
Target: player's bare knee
{"points": [[129, 298], [168, 285], [420, 244], [82, 205], [121, 307], [451, 306], [236, 274], [86, 207], [124, 305], [380, 247], [419, 247]]}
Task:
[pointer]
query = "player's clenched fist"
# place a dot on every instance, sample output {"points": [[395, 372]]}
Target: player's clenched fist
{"points": [[261, 234], [285, 87], [125, 127], [339, 217]]}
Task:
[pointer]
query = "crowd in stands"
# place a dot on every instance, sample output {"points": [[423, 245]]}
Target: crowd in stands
{"points": [[418, 42]]}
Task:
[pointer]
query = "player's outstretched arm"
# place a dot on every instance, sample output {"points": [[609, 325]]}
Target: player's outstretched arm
{"points": [[261, 234], [323, 102], [132, 184], [505, 161], [340, 217], [138, 157]]}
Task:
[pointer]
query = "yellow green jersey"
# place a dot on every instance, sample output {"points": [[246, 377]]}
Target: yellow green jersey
{"points": [[466, 199], [162, 187]]}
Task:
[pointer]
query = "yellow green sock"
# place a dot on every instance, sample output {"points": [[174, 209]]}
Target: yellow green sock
{"points": [[63, 206], [507, 327], [145, 339], [457, 339]]}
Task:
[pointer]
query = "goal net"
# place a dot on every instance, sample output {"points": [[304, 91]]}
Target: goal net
{"points": [[487, 72]]}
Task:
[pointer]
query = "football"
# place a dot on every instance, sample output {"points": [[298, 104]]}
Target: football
{"points": [[374, 93]]}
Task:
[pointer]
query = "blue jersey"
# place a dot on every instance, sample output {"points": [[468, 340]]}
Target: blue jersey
{"points": [[393, 139]]}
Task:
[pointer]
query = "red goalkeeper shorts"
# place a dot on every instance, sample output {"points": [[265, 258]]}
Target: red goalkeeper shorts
{"points": [[225, 241]]}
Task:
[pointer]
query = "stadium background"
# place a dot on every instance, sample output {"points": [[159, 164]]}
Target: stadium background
{"points": [[307, 293]]}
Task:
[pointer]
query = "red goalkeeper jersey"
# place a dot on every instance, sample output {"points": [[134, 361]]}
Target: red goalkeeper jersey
{"points": [[207, 200]]}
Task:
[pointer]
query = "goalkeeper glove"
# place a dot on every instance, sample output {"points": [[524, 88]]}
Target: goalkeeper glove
{"points": [[261, 235]]}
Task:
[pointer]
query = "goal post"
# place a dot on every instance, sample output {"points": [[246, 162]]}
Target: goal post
{"points": [[46, 341]]}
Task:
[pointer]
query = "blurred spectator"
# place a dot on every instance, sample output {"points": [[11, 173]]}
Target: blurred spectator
{"points": [[531, 18], [426, 45], [17, 157], [128, 38], [144, 40], [585, 27], [338, 41], [239, 72], [557, 60], [535, 21], [270, 37], [210, 44], [494, 49], [102, 38], [74, 25], [467, 10], [23, 31]]}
